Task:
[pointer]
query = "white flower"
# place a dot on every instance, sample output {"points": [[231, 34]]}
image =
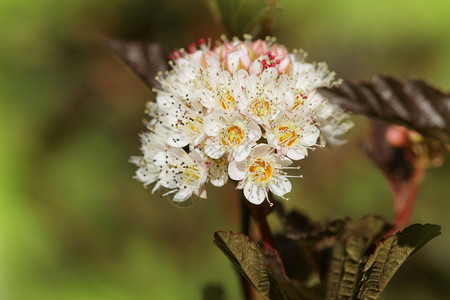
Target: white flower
{"points": [[153, 142], [293, 136], [187, 125], [182, 173], [218, 172], [230, 132], [241, 110], [219, 92], [261, 98], [260, 173], [333, 127]]}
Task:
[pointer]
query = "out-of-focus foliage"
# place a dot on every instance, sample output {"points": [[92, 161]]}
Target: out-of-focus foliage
{"points": [[244, 17], [145, 60], [74, 225], [413, 103]]}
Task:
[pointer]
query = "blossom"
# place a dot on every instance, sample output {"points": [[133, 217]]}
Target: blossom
{"points": [[241, 110], [293, 136], [230, 132], [183, 174], [263, 171]]}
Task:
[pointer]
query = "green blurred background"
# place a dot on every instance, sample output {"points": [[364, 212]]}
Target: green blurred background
{"points": [[75, 225]]}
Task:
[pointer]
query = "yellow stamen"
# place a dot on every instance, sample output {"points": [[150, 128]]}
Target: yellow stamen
{"points": [[227, 101], [260, 170], [233, 136], [287, 135], [192, 174], [261, 107]]}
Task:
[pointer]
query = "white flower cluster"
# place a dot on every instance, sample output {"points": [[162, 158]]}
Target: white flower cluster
{"points": [[243, 110]]}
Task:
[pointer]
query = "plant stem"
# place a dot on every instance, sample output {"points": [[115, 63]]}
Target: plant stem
{"points": [[259, 214], [245, 226], [404, 199], [245, 216]]}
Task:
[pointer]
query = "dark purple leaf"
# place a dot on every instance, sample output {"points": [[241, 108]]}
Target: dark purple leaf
{"points": [[412, 103], [390, 254], [145, 59], [262, 268], [297, 224]]}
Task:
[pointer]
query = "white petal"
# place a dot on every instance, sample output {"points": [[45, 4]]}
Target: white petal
{"points": [[284, 161], [149, 173], [214, 62], [243, 151], [243, 100], [165, 101], [183, 195], [237, 170], [337, 142], [201, 193], [213, 124], [196, 155], [219, 181], [289, 99], [296, 153], [233, 60], [214, 151], [160, 158], [240, 77], [224, 76], [310, 135], [199, 139], [256, 67], [167, 181], [278, 113], [260, 150], [178, 140], [280, 186], [325, 111], [270, 137], [251, 85], [254, 193], [156, 187], [269, 75], [284, 64], [254, 133], [218, 176], [206, 98], [245, 59]]}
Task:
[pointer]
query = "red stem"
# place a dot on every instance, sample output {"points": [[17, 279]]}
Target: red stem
{"points": [[404, 199], [259, 214], [245, 226]]}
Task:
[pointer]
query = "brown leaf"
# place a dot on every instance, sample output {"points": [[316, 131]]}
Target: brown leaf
{"points": [[144, 59], [390, 255], [262, 268], [297, 224], [412, 103]]}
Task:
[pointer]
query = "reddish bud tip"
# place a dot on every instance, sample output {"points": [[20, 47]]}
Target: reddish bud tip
{"points": [[192, 48]]}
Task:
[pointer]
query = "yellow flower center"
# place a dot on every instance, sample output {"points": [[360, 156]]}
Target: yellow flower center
{"points": [[287, 136], [192, 174], [194, 125], [261, 107], [226, 101], [260, 170], [233, 136]]}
